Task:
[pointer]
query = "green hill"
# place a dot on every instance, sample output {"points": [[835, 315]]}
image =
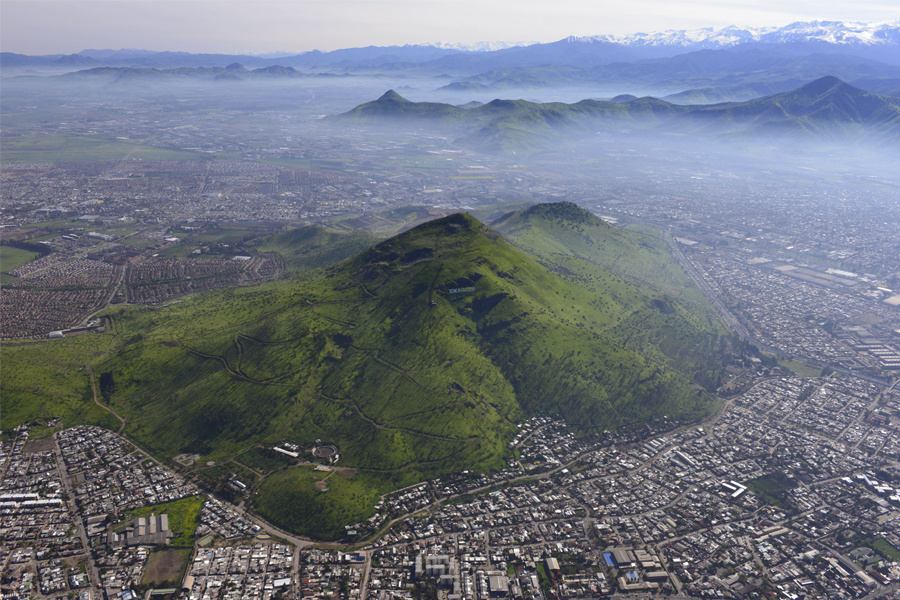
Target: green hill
{"points": [[415, 357], [826, 108], [678, 327], [314, 246]]}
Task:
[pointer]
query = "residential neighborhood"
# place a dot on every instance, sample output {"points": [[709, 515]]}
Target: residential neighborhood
{"points": [[792, 489]]}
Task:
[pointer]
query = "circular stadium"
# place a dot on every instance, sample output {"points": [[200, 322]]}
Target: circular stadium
{"points": [[324, 451]]}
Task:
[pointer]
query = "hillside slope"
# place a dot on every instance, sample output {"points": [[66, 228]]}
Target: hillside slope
{"points": [[677, 327], [415, 357]]}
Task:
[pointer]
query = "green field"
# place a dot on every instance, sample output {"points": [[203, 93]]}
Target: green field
{"points": [[184, 516], [800, 368], [12, 258], [290, 498], [46, 379], [773, 489], [81, 225], [263, 460]]}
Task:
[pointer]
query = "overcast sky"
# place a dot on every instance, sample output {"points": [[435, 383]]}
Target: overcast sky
{"points": [[256, 26]]}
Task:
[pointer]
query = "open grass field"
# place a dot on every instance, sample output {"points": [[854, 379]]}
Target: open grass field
{"points": [[12, 258], [319, 504], [62, 223], [800, 368], [184, 515], [47, 378]]}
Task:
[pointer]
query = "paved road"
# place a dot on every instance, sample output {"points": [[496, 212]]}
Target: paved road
{"points": [[70, 500]]}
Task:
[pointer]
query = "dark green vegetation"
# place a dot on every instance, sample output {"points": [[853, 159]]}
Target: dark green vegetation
{"points": [[184, 515], [826, 108], [320, 504], [773, 489], [12, 258], [415, 357]]}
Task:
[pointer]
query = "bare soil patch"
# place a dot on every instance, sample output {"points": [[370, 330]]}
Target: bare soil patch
{"points": [[43, 445], [166, 567]]}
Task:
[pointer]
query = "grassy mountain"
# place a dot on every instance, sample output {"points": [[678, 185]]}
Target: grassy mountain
{"points": [[826, 108], [582, 248], [417, 356], [314, 246], [504, 125]]}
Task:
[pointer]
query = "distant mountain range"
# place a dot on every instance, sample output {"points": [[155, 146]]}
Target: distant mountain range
{"points": [[878, 41], [233, 72], [830, 32], [724, 68], [480, 46], [826, 108], [683, 67]]}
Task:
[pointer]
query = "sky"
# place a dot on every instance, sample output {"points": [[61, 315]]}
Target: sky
{"points": [[260, 26]]}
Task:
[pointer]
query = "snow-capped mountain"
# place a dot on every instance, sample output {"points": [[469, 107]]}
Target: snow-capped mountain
{"points": [[830, 32], [480, 46]]}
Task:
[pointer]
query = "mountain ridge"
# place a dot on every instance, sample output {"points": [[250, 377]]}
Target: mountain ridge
{"points": [[827, 108], [878, 40]]}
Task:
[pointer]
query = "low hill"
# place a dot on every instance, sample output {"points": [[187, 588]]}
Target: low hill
{"points": [[315, 246], [415, 357], [234, 71], [826, 108]]}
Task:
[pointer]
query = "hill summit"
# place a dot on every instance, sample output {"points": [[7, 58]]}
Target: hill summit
{"points": [[392, 95]]}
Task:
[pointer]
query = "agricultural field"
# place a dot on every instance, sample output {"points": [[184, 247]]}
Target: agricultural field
{"points": [[12, 258]]}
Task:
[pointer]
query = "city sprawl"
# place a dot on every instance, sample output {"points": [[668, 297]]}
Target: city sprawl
{"points": [[793, 488], [790, 490]]}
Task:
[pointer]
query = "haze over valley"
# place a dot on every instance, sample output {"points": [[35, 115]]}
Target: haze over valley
{"points": [[609, 316]]}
